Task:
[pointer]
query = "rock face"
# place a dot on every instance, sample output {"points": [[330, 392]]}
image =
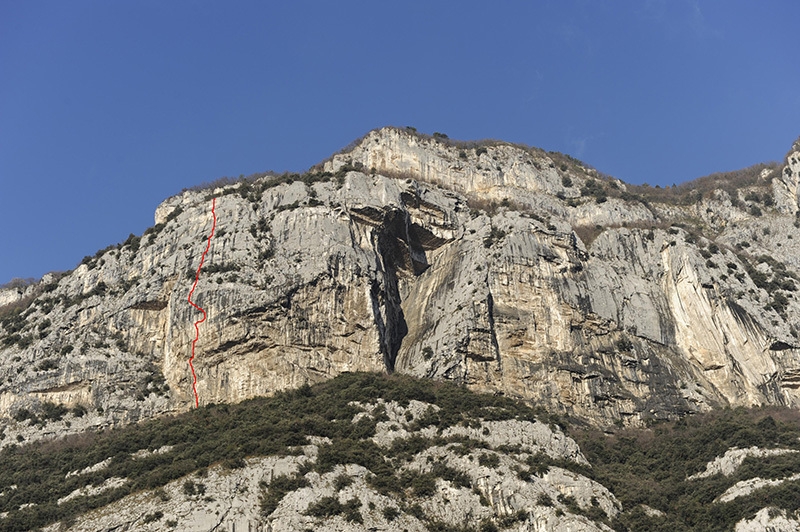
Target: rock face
{"points": [[505, 268], [728, 463], [746, 487], [769, 519]]}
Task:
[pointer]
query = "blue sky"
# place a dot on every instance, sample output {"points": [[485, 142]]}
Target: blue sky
{"points": [[107, 108]]}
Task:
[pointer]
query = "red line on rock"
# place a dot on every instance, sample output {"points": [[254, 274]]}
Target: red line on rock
{"points": [[192, 303]]}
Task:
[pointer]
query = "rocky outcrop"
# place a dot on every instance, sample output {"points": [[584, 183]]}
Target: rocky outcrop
{"points": [[501, 267], [770, 519], [746, 487], [728, 463], [786, 188]]}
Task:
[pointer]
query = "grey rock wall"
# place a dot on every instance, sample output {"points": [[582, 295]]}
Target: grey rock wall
{"points": [[611, 312]]}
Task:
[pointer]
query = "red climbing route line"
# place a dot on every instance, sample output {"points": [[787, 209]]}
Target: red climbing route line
{"points": [[192, 303]]}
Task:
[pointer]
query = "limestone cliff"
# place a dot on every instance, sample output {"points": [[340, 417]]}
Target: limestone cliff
{"points": [[506, 268]]}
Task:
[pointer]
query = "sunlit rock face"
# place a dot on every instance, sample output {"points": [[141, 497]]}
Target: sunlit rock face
{"points": [[505, 268]]}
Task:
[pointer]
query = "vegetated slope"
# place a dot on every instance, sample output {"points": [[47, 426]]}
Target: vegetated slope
{"points": [[651, 469], [366, 450], [505, 268], [403, 440]]}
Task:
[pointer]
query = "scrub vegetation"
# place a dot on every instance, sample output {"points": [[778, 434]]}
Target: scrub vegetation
{"points": [[640, 466], [226, 434], [650, 467]]}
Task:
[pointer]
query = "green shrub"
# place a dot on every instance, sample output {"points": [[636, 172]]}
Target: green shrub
{"points": [[347, 451], [132, 242], [155, 516], [519, 516], [544, 500], [495, 235], [390, 513], [570, 502], [330, 506], [260, 228], [221, 268], [415, 510], [24, 341], [594, 188], [53, 412], [191, 488], [489, 460], [752, 196], [488, 526], [274, 492], [24, 414], [624, 345], [266, 253], [423, 485], [342, 481], [47, 364]]}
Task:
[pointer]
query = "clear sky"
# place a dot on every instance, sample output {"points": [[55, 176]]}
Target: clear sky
{"points": [[107, 108]]}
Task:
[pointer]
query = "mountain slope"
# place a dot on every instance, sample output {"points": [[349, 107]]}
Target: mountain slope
{"points": [[410, 454], [365, 451], [504, 268]]}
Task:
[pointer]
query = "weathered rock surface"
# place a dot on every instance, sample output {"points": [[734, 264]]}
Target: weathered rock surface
{"points": [[746, 487], [728, 463], [769, 520], [397, 260]]}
